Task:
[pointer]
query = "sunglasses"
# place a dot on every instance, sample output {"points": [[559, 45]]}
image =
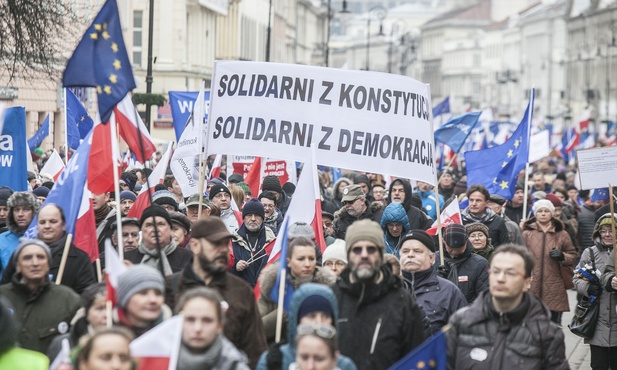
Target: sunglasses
{"points": [[370, 250], [323, 331]]}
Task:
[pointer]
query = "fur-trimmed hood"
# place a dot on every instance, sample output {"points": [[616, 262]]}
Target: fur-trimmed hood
{"points": [[268, 278], [20, 198]]}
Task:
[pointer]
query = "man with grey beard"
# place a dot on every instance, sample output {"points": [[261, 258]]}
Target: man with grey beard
{"points": [[379, 321], [438, 297], [251, 243], [210, 245]]}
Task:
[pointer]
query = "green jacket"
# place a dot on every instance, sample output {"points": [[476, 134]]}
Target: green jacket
{"points": [[42, 314], [23, 359]]}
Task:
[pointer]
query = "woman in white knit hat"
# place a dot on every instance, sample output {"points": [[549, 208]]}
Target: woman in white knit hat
{"points": [[550, 244], [335, 257]]}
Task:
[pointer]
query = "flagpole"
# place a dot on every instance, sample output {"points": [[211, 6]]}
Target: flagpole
{"points": [[200, 141], [65, 256], [99, 272], [66, 129], [112, 122], [279, 309], [525, 192]]}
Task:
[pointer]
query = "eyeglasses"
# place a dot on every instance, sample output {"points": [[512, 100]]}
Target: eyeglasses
{"points": [[510, 273], [369, 250], [323, 331], [338, 264]]}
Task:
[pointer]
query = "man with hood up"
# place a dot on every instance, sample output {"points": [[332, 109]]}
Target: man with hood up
{"points": [[22, 207], [394, 223], [400, 192]]}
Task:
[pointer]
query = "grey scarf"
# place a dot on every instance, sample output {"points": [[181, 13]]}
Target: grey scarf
{"points": [[188, 360], [151, 256]]}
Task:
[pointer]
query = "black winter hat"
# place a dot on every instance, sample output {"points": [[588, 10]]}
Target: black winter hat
{"points": [[154, 210], [5, 193], [220, 188], [253, 207], [272, 183], [422, 237]]}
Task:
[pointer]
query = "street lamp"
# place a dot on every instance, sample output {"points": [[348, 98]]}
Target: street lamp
{"points": [[329, 15], [397, 27], [380, 13]]}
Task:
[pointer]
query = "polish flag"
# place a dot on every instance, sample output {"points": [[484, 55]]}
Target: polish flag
{"points": [[156, 177], [53, 166], [131, 127], [160, 346], [126, 160], [85, 226], [216, 167], [573, 140], [254, 177], [583, 124], [450, 215], [113, 269], [103, 154]]}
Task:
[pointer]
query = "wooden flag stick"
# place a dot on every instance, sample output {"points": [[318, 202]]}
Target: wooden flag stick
{"points": [[65, 255], [279, 309]]}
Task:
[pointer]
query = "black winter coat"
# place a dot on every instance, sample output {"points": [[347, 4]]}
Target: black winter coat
{"points": [[342, 220], [497, 229], [469, 272], [525, 338], [378, 323]]}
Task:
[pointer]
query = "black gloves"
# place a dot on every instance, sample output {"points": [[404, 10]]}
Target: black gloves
{"points": [[594, 290], [557, 255], [444, 270]]}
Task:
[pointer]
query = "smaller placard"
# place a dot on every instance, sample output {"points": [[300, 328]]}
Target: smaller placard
{"points": [[597, 167]]}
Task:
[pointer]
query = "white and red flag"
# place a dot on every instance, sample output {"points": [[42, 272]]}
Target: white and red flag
{"points": [[156, 177], [113, 269], [131, 127], [54, 165], [160, 346], [450, 215], [216, 167]]}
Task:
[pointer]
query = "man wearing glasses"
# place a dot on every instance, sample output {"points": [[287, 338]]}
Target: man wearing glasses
{"points": [[379, 320], [355, 207], [506, 327], [221, 197]]}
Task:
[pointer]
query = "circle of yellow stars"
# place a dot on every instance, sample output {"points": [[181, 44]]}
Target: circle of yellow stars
{"points": [[504, 184], [100, 31]]}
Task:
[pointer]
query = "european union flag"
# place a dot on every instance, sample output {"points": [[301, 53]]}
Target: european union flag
{"points": [[454, 132], [40, 135], [497, 168], [100, 60], [78, 123], [431, 354], [289, 290], [442, 108]]}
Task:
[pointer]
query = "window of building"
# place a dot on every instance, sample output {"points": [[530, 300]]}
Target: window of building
{"points": [[137, 36]]}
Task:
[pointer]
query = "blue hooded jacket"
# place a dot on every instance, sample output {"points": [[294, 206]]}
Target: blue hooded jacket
{"points": [[288, 350], [394, 212]]}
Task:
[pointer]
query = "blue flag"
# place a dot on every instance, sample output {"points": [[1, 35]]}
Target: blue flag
{"points": [[336, 174], [497, 168], [442, 108], [431, 354], [40, 135], [454, 132], [289, 290], [78, 123], [181, 107], [100, 60], [13, 162], [68, 189]]}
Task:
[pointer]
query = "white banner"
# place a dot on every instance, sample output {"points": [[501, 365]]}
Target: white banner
{"points": [[539, 146], [366, 121], [597, 167]]}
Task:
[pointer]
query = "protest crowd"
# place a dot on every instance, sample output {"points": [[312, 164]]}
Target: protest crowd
{"points": [[154, 264]]}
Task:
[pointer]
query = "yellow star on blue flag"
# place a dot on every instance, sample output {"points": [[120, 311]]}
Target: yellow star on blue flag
{"points": [[497, 168], [101, 60], [431, 354]]}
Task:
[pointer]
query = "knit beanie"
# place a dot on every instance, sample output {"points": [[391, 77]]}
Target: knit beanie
{"points": [[289, 188], [245, 187], [5, 193], [461, 186], [253, 207], [314, 303], [543, 203], [218, 188], [362, 179], [127, 194], [367, 230], [272, 183], [455, 235], [422, 237], [41, 191], [477, 226], [154, 210], [553, 199], [300, 229], [336, 251], [164, 197], [137, 278], [24, 242]]}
